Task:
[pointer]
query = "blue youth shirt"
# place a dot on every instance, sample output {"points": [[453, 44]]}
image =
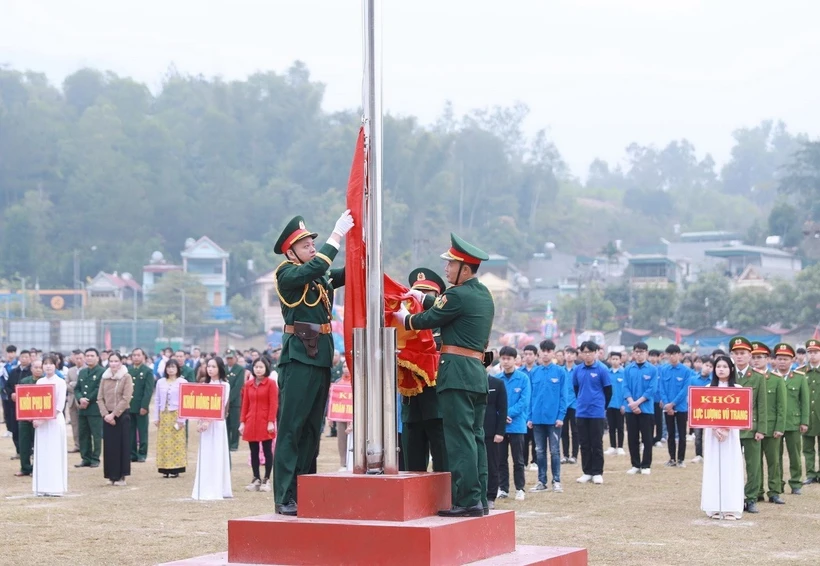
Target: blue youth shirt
{"points": [[617, 379], [590, 381], [549, 394], [641, 380]]}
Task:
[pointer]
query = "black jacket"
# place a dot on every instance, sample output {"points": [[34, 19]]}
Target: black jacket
{"points": [[495, 419], [16, 375]]}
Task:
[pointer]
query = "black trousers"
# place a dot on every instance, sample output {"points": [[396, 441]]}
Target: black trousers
{"points": [[639, 429], [676, 434], [569, 427], [10, 416], [699, 442], [492, 468], [591, 437], [266, 449], [658, 423], [117, 448], [513, 443], [615, 422]]}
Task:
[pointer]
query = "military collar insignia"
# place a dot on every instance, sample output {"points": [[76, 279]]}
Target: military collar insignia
{"points": [[440, 301]]}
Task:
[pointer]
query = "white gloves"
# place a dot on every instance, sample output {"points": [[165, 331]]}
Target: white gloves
{"points": [[343, 224], [416, 294], [401, 314]]}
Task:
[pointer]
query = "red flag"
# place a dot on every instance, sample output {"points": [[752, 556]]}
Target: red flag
{"points": [[355, 308], [418, 357], [816, 335], [573, 340], [216, 341], [107, 338], [677, 336]]}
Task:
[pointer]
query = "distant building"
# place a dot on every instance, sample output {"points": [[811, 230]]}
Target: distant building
{"points": [[202, 258], [113, 286], [263, 294], [768, 262], [655, 270], [209, 263], [155, 270]]}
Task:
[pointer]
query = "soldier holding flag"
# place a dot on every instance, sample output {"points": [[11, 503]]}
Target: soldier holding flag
{"points": [[464, 312], [305, 284]]}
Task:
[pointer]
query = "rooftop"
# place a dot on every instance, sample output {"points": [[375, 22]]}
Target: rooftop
{"points": [[733, 251]]}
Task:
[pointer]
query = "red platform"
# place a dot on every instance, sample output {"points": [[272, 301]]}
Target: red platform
{"points": [[379, 520], [401, 497]]}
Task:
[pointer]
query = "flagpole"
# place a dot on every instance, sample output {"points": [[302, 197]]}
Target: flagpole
{"points": [[372, 105]]}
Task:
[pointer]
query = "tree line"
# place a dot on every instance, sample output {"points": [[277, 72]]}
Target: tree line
{"points": [[98, 172]]}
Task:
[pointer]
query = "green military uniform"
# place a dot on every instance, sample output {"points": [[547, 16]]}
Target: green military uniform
{"points": [[797, 415], [422, 427], [91, 424], [772, 421], [188, 374], [464, 312], [143, 378], [306, 293], [236, 380], [25, 436], [751, 447], [811, 438]]}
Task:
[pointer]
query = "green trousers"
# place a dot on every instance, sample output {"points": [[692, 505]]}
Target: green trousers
{"points": [[233, 426], [25, 432], [810, 453], [751, 453], [771, 449], [303, 391], [420, 441], [794, 446], [463, 420], [90, 438], [139, 436]]}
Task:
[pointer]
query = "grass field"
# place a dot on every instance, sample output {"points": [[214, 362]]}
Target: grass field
{"points": [[651, 520]]}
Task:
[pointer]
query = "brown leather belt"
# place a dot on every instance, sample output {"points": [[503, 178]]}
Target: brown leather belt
{"points": [[466, 352], [320, 328]]}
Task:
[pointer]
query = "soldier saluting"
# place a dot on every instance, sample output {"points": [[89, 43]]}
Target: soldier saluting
{"points": [[464, 312], [305, 288]]}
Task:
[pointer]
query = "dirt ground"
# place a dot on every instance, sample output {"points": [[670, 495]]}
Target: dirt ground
{"points": [[650, 520]]}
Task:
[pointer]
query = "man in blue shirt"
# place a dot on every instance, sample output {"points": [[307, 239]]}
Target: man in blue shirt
{"points": [[640, 394], [517, 385], [701, 379], [674, 384], [616, 408], [9, 365], [529, 361], [547, 410], [593, 391]]}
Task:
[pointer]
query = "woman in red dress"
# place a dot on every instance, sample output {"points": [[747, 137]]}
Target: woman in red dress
{"points": [[257, 421]]}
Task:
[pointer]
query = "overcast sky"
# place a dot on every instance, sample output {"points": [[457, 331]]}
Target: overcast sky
{"points": [[598, 73]]}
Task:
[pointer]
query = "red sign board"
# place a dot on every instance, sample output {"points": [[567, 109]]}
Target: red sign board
{"points": [[36, 402], [340, 406], [202, 401], [720, 407]]}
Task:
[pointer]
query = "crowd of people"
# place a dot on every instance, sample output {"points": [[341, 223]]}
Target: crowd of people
{"points": [[110, 399], [642, 396]]}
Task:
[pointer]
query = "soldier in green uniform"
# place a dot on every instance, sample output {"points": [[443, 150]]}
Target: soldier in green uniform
{"points": [[305, 288], [25, 429], [797, 414], [464, 312], [773, 425], [143, 378], [422, 428], [236, 379], [811, 438], [185, 372], [88, 384], [741, 352]]}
